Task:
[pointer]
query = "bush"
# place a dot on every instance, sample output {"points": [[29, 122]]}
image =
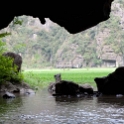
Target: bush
{"points": [[7, 71]]}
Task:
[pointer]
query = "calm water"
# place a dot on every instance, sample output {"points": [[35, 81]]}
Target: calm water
{"points": [[42, 108]]}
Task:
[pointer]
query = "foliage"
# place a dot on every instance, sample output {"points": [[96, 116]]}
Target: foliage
{"points": [[17, 21], [4, 34], [7, 71], [116, 35]]}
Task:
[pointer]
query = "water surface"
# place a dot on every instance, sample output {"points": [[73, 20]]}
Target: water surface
{"points": [[42, 108]]}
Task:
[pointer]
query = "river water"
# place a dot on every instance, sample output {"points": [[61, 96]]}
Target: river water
{"points": [[42, 108]]}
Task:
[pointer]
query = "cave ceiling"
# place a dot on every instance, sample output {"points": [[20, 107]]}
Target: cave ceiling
{"points": [[74, 16]]}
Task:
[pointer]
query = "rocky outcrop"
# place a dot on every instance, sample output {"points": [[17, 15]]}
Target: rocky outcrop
{"points": [[8, 95], [112, 84], [69, 88], [64, 87], [17, 59], [9, 90]]}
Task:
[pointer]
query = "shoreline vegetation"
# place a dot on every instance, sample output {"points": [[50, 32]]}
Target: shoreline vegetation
{"points": [[41, 78]]}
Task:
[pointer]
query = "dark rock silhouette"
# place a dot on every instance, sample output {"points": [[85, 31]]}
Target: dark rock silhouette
{"points": [[64, 87], [86, 88], [17, 59], [111, 84]]}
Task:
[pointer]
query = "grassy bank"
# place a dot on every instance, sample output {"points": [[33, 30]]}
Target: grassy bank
{"points": [[43, 77]]}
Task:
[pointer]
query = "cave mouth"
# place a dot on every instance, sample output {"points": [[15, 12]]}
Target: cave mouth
{"points": [[75, 16]]}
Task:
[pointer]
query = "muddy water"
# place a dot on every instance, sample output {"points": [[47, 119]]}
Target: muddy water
{"points": [[42, 108]]}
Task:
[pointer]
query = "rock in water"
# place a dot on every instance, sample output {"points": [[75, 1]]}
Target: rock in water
{"points": [[8, 95]]}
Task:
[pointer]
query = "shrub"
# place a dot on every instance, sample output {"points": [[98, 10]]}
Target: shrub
{"points": [[7, 71]]}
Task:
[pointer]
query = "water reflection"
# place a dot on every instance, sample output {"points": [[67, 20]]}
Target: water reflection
{"points": [[112, 100], [42, 108]]}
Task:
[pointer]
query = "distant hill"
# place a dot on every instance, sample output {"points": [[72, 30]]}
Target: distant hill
{"points": [[49, 45]]}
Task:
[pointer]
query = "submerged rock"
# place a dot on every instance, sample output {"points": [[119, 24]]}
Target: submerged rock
{"points": [[8, 95], [69, 88], [11, 89], [63, 87]]}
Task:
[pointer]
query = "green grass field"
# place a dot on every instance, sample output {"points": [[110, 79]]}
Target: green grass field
{"points": [[43, 77]]}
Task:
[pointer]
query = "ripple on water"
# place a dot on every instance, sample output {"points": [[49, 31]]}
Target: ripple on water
{"points": [[44, 109]]}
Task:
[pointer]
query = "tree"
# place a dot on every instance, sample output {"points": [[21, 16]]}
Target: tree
{"points": [[116, 37]]}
